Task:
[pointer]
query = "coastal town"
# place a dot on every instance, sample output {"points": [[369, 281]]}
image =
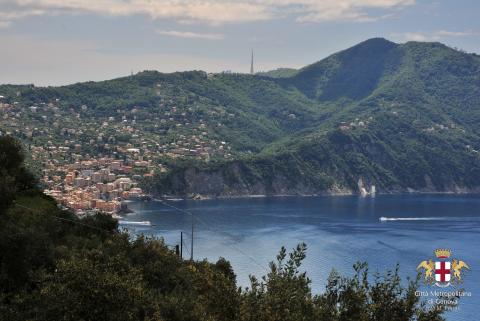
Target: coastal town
{"points": [[89, 162], [94, 185], [96, 158]]}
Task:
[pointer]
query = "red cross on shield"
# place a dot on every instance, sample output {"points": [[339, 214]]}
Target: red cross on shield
{"points": [[442, 271]]}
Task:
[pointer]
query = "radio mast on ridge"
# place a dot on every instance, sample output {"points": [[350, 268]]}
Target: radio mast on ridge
{"points": [[251, 65]]}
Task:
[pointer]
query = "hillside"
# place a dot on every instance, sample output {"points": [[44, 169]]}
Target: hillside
{"points": [[402, 117], [278, 73], [56, 266]]}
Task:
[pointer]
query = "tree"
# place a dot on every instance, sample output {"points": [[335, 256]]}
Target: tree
{"points": [[55, 266], [284, 294], [13, 175]]}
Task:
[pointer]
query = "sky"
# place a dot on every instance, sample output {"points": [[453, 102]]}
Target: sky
{"points": [[58, 42]]}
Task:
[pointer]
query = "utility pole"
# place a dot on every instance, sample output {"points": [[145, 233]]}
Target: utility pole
{"points": [[191, 247], [181, 245]]}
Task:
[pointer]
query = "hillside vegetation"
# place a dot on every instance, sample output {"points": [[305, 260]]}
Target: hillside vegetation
{"points": [[402, 117], [55, 266]]}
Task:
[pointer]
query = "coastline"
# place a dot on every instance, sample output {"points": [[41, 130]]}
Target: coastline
{"points": [[176, 198], [199, 197]]}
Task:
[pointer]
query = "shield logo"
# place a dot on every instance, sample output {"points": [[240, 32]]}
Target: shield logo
{"points": [[443, 272]]}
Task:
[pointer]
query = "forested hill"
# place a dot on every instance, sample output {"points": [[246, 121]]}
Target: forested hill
{"points": [[56, 266], [402, 117]]}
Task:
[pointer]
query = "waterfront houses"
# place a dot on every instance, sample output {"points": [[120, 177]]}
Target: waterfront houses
{"points": [[102, 184], [95, 163]]}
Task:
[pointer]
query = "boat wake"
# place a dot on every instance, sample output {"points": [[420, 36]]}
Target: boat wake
{"points": [[141, 223], [438, 218]]}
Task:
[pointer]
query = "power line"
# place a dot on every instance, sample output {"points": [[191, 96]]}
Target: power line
{"points": [[173, 207], [208, 227], [66, 219], [186, 248], [79, 223]]}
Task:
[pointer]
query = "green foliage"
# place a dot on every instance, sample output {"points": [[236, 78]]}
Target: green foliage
{"points": [[284, 294], [13, 175], [353, 73], [278, 73], [55, 266], [398, 116]]}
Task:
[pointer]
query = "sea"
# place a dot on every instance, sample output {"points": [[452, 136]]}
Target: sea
{"points": [[339, 231]]}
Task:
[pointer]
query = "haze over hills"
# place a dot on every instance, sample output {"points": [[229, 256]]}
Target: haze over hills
{"points": [[402, 117]]}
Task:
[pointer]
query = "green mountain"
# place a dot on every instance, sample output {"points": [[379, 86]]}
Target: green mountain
{"points": [[402, 117], [278, 73], [57, 266]]}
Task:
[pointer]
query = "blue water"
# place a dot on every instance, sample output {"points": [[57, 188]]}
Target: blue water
{"points": [[339, 231]]}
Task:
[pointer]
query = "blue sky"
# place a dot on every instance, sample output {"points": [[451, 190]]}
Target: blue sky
{"points": [[53, 42]]}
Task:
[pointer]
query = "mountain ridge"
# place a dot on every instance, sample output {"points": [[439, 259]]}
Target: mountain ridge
{"points": [[402, 117]]}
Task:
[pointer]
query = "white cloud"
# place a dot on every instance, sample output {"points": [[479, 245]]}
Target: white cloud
{"points": [[416, 36], [4, 24], [432, 36], [445, 33], [8, 14], [210, 11], [347, 10], [189, 34]]}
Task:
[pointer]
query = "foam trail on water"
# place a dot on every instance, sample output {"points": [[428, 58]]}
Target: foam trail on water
{"points": [[142, 223], [385, 219]]}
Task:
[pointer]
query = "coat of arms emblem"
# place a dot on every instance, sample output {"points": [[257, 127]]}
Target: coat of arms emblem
{"points": [[443, 272]]}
